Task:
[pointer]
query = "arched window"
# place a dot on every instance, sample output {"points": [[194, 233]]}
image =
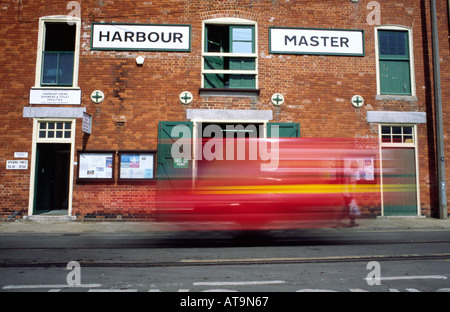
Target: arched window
{"points": [[229, 56]]}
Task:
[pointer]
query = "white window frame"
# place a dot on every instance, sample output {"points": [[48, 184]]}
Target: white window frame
{"points": [[33, 166], [41, 45], [405, 145], [411, 59], [230, 22]]}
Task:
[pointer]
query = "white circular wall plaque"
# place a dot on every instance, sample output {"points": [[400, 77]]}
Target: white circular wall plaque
{"points": [[186, 97], [277, 99], [97, 96], [357, 101]]}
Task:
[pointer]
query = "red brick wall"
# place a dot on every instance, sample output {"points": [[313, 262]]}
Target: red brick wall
{"points": [[317, 89]]}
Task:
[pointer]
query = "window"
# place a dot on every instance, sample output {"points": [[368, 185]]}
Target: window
{"points": [[58, 54], [55, 129], [394, 61], [57, 62], [229, 58], [397, 134]]}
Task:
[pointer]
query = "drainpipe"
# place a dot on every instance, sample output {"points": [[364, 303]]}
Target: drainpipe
{"points": [[438, 111]]}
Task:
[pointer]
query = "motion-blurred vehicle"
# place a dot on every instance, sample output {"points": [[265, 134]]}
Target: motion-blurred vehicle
{"points": [[306, 186]]}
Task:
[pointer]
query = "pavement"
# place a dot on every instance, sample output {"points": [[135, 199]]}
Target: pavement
{"points": [[55, 226]]}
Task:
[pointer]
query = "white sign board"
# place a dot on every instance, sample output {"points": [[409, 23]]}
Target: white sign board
{"points": [[20, 154], [55, 96], [141, 37], [17, 164], [316, 41], [86, 125]]}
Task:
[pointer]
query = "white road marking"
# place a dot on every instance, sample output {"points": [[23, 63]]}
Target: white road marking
{"points": [[112, 290], [396, 278], [244, 283], [52, 286]]}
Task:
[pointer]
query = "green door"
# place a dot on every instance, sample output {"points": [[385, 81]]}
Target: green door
{"points": [[170, 133], [285, 129], [52, 177], [399, 182]]}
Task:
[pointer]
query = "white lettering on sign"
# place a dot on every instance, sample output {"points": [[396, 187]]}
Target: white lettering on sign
{"points": [[141, 37], [316, 41], [17, 164]]}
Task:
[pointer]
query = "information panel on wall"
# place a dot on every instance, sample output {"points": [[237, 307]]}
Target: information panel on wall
{"points": [[96, 165], [142, 37], [136, 165], [316, 41]]}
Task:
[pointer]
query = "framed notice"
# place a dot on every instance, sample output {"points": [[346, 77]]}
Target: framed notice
{"points": [[361, 169], [97, 165], [137, 165]]}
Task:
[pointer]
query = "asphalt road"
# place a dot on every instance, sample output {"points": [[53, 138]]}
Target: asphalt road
{"points": [[260, 263]]}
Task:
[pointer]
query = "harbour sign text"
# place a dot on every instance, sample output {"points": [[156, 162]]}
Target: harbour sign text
{"points": [[140, 37]]}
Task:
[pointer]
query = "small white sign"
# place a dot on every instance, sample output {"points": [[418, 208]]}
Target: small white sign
{"points": [[55, 96], [141, 37], [86, 125], [20, 154], [316, 41], [17, 164]]}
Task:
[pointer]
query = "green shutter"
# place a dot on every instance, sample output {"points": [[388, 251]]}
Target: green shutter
{"points": [[395, 77], [285, 129], [167, 168]]}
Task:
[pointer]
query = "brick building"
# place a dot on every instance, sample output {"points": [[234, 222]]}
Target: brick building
{"points": [[137, 69]]}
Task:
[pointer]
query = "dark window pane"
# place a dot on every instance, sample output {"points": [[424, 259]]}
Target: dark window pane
{"points": [[393, 43], [50, 68], [65, 68], [217, 38], [59, 37], [407, 130]]}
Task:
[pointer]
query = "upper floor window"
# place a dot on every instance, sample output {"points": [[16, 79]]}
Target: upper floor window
{"points": [[57, 53], [395, 62], [229, 56]]}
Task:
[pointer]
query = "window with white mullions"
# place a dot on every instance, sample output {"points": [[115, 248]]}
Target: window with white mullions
{"points": [[54, 130], [229, 57], [397, 134]]}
